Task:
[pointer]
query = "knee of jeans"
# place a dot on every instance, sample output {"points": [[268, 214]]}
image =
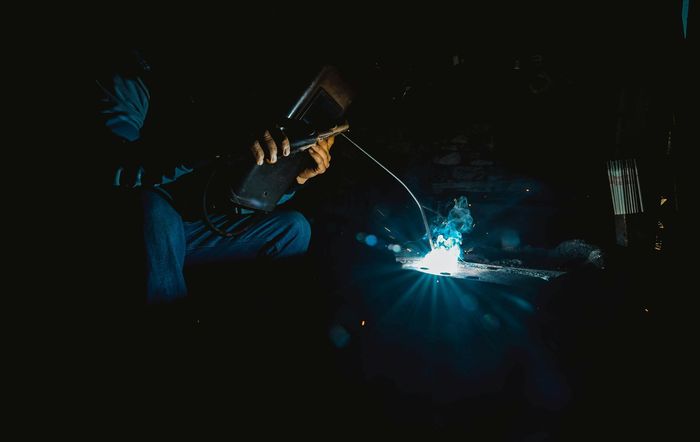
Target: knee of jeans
{"points": [[299, 228], [156, 206], [158, 213]]}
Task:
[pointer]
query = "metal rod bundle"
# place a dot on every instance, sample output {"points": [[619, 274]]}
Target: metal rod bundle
{"points": [[625, 189]]}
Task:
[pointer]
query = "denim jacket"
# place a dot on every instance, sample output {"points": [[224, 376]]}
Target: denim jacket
{"points": [[123, 105]]}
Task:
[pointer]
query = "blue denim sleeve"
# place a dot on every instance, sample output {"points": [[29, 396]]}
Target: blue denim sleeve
{"points": [[123, 105], [123, 108]]}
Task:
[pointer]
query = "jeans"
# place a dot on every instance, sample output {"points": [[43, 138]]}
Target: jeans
{"points": [[171, 243]]}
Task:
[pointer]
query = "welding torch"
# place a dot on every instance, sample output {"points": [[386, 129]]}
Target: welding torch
{"points": [[300, 144]]}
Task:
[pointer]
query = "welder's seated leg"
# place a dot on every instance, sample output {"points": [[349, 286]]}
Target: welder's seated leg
{"points": [[221, 270], [272, 236], [164, 246], [172, 244]]}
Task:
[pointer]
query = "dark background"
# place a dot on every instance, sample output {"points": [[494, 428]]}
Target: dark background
{"points": [[542, 92], [533, 99]]}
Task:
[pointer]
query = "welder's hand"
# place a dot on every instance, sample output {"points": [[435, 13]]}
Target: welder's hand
{"points": [[269, 146], [321, 153]]}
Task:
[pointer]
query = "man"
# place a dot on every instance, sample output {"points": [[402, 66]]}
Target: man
{"points": [[148, 172]]}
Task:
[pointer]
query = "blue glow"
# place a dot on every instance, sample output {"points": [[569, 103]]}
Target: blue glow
{"points": [[444, 258], [520, 303], [339, 336], [371, 240], [458, 222], [490, 322], [473, 326], [510, 239]]}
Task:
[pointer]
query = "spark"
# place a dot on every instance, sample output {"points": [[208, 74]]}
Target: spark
{"points": [[363, 323]]}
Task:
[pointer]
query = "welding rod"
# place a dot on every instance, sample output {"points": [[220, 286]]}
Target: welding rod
{"points": [[639, 188], [633, 188], [615, 194], [628, 174], [612, 191], [628, 188], [621, 186], [632, 185], [420, 207], [625, 190], [625, 186], [615, 187], [616, 202]]}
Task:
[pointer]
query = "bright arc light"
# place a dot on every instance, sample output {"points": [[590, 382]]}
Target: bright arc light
{"points": [[444, 259]]}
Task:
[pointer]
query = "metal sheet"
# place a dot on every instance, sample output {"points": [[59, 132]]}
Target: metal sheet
{"points": [[484, 272]]}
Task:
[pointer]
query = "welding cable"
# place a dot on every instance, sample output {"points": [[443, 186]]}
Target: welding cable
{"points": [[420, 207], [210, 223]]}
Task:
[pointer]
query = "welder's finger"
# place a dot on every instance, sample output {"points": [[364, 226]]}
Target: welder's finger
{"points": [[330, 140], [286, 146], [325, 146], [281, 140], [321, 163], [323, 154], [127, 176], [271, 147], [258, 153]]}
